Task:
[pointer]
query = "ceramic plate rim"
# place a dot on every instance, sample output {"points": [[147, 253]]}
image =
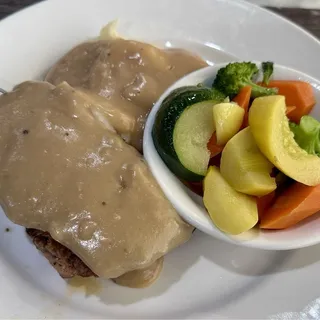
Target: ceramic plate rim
{"points": [[12, 303]]}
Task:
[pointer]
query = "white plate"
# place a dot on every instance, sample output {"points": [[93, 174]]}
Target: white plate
{"points": [[205, 278]]}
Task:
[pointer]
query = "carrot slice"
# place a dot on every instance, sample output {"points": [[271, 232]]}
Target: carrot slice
{"points": [[292, 206], [213, 146], [243, 100], [290, 109], [264, 203], [298, 94]]}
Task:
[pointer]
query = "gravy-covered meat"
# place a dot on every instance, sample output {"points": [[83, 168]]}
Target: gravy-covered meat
{"points": [[66, 263], [64, 172], [130, 76]]}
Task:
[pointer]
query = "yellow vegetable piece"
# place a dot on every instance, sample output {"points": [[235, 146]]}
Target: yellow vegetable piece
{"points": [[227, 118], [231, 211], [245, 168], [270, 128]]}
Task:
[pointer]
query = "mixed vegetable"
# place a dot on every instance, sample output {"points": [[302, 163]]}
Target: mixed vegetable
{"points": [[250, 148]]}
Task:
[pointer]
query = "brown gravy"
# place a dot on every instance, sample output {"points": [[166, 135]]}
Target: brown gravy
{"points": [[141, 278], [90, 285], [129, 75]]}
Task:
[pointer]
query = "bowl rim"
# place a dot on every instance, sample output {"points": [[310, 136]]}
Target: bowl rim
{"points": [[193, 203]]}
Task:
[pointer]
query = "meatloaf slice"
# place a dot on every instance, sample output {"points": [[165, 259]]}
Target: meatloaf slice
{"points": [[66, 263]]}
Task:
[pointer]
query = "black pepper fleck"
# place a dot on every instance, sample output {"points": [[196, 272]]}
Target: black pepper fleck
{"points": [[123, 184], [109, 54], [7, 229], [67, 133], [25, 131], [103, 203]]}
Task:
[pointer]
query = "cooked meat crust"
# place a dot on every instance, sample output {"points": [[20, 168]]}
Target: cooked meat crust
{"points": [[61, 258]]}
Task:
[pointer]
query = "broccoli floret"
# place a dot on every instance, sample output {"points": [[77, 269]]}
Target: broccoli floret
{"points": [[267, 69], [217, 95], [307, 134], [235, 76]]}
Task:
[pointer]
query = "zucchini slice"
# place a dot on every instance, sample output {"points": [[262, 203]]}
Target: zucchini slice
{"points": [[191, 134], [168, 114]]}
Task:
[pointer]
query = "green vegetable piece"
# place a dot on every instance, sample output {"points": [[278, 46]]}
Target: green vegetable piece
{"points": [[307, 134], [267, 69], [217, 95], [191, 134], [167, 116], [235, 76]]}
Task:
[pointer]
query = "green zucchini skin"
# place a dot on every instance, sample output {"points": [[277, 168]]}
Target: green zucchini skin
{"points": [[168, 114]]}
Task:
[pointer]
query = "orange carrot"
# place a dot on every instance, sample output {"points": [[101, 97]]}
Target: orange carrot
{"points": [[264, 203], [292, 206], [213, 146], [297, 93], [243, 100], [290, 109]]}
